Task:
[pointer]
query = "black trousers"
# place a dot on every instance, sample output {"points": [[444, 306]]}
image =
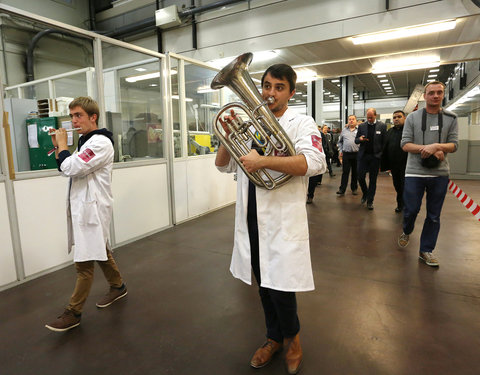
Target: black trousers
{"points": [[280, 308], [312, 184], [371, 165], [398, 177], [349, 163]]}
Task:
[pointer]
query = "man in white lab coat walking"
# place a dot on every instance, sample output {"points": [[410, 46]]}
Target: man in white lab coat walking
{"points": [[271, 227], [89, 208]]}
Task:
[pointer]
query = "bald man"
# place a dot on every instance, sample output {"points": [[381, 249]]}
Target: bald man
{"points": [[371, 136]]}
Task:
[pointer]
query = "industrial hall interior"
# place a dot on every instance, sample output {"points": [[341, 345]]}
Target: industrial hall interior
{"points": [[240, 187]]}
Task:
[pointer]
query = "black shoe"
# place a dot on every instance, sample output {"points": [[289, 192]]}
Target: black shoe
{"points": [[332, 175], [398, 210], [309, 200], [340, 192], [370, 206], [354, 192], [364, 199]]}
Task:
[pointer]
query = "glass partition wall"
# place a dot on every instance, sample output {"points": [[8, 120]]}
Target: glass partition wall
{"points": [[133, 98]]}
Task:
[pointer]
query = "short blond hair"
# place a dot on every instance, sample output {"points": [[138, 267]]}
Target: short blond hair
{"points": [[434, 83], [87, 104]]}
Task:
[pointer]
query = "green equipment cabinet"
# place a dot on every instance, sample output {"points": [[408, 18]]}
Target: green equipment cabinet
{"points": [[39, 142]]}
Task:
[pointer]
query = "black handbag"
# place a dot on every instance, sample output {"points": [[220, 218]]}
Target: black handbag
{"points": [[432, 161]]}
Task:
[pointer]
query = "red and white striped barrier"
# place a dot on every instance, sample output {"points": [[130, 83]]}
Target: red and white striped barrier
{"points": [[468, 202]]}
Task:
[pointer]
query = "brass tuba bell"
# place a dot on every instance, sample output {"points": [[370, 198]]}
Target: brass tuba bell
{"points": [[261, 129]]}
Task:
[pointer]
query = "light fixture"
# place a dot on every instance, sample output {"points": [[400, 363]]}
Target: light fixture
{"points": [[405, 32], [384, 80], [257, 57], [204, 90], [430, 80], [305, 75], [143, 77], [432, 75], [335, 80], [153, 85], [381, 76], [400, 65], [140, 69], [434, 70], [176, 97]]}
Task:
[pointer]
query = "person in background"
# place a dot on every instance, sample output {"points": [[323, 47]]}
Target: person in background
{"points": [[394, 159], [428, 136], [313, 181], [348, 152], [329, 149], [89, 208], [371, 137]]}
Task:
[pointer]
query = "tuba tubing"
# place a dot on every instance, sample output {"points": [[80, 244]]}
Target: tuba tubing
{"points": [[238, 143]]}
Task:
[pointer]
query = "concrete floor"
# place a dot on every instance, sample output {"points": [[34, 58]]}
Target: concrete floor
{"points": [[376, 308]]}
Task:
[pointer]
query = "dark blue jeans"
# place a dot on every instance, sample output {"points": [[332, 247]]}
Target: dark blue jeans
{"points": [[436, 188], [371, 165]]}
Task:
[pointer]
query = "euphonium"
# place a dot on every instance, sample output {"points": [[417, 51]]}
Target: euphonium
{"points": [[262, 128]]}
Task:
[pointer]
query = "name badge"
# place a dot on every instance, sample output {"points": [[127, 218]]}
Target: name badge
{"points": [[434, 127], [379, 132]]}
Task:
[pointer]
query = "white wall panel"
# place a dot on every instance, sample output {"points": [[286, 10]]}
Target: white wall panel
{"points": [[140, 201], [208, 189], [7, 261], [181, 189], [41, 210]]}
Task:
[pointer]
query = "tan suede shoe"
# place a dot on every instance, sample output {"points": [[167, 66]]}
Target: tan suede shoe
{"points": [[265, 353], [294, 355]]}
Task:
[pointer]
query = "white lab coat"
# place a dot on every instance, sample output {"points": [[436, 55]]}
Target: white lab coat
{"points": [[282, 217], [89, 198]]}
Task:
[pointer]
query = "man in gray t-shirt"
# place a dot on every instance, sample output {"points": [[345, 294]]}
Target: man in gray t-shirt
{"points": [[428, 135]]}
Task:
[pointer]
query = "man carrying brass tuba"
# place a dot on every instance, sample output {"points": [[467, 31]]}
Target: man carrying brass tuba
{"points": [[271, 228]]}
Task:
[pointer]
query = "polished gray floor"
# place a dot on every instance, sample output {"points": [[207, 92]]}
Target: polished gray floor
{"points": [[376, 308]]}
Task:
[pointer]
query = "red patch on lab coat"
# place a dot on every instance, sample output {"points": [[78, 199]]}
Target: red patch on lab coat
{"points": [[87, 155], [317, 142]]}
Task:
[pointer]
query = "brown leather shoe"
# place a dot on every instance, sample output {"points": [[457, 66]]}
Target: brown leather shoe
{"points": [[265, 353], [294, 355]]}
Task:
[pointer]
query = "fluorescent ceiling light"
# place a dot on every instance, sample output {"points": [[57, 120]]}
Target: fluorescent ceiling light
{"points": [[381, 76], [384, 80], [143, 77], [186, 99], [400, 65], [140, 69], [432, 75], [405, 32], [335, 80], [204, 90], [306, 75], [153, 85], [257, 57], [430, 80], [434, 70]]}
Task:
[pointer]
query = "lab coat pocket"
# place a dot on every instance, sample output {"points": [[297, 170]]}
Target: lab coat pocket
{"points": [[294, 221], [86, 212]]}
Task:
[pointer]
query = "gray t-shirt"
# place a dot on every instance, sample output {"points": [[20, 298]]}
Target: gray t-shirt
{"points": [[412, 133]]}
